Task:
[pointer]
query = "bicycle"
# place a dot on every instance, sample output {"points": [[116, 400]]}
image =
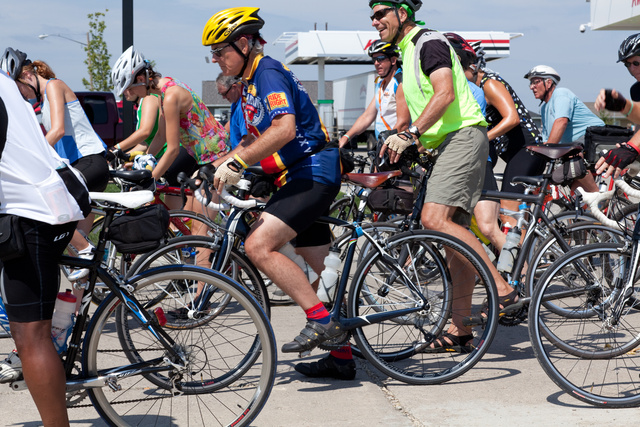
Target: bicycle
{"points": [[401, 296], [144, 364], [182, 221], [547, 237], [586, 311]]}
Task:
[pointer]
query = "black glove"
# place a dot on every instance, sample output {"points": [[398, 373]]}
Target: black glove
{"points": [[621, 157], [614, 104]]}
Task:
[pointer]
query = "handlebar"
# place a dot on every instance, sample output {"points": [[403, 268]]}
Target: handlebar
{"points": [[206, 177], [593, 200]]}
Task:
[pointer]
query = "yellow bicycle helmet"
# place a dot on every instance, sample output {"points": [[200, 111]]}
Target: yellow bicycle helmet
{"points": [[228, 24]]}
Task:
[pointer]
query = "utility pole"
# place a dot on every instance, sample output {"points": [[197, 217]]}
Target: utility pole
{"points": [[127, 40]]}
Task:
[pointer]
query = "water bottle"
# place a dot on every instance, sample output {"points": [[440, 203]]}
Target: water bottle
{"points": [[290, 252], [62, 322], [4, 320], [329, 276], [509, 251]]}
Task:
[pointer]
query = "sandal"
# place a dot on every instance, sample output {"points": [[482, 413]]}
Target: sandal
{"points": [[459, 344], [503, 302]]}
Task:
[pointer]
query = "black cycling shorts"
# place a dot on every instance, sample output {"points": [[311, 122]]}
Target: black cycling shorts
{"points": [[95, 170], [298, 204], [30, 283], [183, 163]]}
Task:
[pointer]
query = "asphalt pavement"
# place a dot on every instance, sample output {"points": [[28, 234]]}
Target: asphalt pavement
{"points": [[507, 387]]}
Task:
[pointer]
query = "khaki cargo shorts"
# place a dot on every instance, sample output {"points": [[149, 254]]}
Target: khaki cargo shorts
{"points": [[458, 171]]}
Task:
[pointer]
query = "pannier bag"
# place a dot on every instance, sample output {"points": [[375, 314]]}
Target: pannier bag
{"points": [[391, 200], [569, 170], [598, 138], [140, 230]]}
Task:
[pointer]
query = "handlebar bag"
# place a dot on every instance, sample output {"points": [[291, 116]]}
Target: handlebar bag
{"points": [[598, 138], [141, 230]]}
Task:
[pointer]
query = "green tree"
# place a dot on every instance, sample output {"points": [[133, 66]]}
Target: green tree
{"points": [[98, 56], [605, 117]]}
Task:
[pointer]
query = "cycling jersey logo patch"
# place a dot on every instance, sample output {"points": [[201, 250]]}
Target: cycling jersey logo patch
{"points": [[277, 100]]}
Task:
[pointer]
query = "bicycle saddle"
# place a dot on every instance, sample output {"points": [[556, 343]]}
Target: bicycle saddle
{"points": [[132, 175], [535, 181], [370, 180], [555, 151]]}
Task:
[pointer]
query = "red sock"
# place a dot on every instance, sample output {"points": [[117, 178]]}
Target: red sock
{"points": [[343, 353], [318, 313]]}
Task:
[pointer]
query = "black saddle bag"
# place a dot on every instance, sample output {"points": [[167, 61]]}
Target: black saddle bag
{"points": [[141, 230]]}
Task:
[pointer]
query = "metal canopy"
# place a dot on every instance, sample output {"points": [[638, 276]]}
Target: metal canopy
{"points": [[615, 15], [349, 47]]}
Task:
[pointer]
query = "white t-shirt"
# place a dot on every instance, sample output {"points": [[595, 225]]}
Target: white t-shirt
{"points": [[30, 187]]}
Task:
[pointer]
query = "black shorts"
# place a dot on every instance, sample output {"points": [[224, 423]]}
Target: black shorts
{"points": [[298, 204], [183, 163], [30, 283], [95, 170], [490, 183]]}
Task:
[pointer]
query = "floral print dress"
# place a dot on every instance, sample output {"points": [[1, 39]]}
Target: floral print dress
{"points": [[200, 133]]}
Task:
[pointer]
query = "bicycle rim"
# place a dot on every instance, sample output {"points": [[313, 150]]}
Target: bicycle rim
{"points": [[399, 346], [224, 376], [581, 349]]}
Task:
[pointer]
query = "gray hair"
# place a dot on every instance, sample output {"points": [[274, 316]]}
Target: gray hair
{"points": [[226, 81]]}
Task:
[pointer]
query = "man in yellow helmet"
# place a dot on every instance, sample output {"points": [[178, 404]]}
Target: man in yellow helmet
{"points": [[291, 143]]}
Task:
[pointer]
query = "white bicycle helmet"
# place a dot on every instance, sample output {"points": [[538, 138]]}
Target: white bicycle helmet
{"points": [[12, 62], [126, 68], [544, 72]]}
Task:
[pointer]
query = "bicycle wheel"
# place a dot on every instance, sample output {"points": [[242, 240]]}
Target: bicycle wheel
{"points": [[582, 346], [191, 220], [431, 262], [579, 234], [223, 374], [199, 250]]}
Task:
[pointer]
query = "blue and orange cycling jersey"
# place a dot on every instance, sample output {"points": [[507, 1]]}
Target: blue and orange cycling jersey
{"points": [[273, 90]]}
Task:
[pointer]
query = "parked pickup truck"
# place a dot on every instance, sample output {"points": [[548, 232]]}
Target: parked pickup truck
{"points": [[104, 113]]}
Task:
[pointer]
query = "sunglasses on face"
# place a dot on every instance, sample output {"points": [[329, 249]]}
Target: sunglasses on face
{"points": [[376, 16], [224, 95], [535, 82], [217, 52], [378, 59], [629, 64]]}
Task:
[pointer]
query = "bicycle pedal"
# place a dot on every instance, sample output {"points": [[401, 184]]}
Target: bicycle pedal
{"points": [[303, 354], [511, 308], [19, 385]]}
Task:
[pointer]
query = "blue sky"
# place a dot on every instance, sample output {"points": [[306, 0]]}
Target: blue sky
{"points": [[170, 33]]}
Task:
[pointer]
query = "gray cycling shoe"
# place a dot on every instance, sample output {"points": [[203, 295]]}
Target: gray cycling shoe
{"points": [[312, 335]]}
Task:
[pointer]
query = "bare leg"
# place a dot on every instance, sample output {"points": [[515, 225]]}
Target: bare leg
{"points": [[486, 212], [268, 235], [42, 370], [440, 217]]}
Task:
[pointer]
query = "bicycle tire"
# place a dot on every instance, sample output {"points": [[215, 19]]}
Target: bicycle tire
{"points": [[229, 370], [578, 234], [397, 346], [185, 250], [588, 356]]}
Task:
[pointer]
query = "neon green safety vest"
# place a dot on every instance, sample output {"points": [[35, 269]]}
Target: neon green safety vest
{"points": [[462, 112]]}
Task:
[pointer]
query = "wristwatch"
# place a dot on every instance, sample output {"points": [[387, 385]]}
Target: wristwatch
{"points": [[413, 129]]}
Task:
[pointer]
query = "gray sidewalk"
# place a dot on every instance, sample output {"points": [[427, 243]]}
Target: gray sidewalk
{"points": [[507, 387]]}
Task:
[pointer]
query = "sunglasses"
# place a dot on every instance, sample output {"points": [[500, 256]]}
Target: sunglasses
{"points": [[629, 64], [378, 59], [381, 13], [224, 95], [535, 82], [217, 52]]}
